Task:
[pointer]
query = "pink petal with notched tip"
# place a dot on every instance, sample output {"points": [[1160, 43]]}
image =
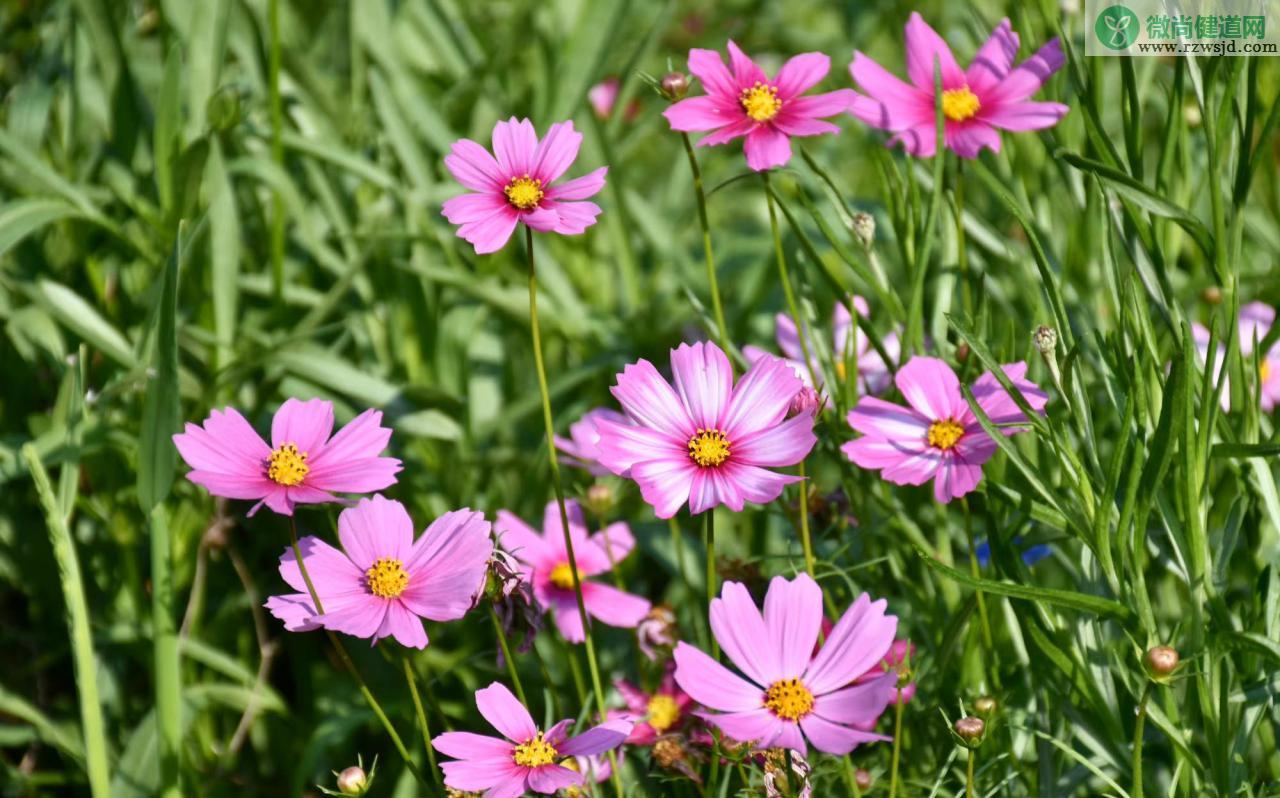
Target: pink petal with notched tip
{"points": [[556, 152], [792, 620], [993, 60], [925, 48], [515, 143], [766, 148], [741, 631], [306, 425], [505, 713], [801, 73], [711, 684]]}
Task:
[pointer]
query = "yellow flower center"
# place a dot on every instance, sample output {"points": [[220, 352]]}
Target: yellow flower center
{"points": [[842, 371], [789, 699], [523, 192], [562, 576], [945, 434], [663, 712], [760, 102], [535, 753], [288, 465], [960, 104], [387, 578], [708, 448], [1264, 371]]}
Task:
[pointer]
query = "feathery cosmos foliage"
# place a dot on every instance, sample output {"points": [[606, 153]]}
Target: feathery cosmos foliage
{"points": [[888, 468]]}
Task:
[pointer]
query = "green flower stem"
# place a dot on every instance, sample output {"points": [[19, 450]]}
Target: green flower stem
{"points": [[167, 662], [897, 744], [412, 681], [975, 572], [968, 781], [802, 328], [277, 149], [1138, 725], [722, 330], [86, 669], [506, 655], [536, 335], [709, 533], [962, 252], [350, 664]]}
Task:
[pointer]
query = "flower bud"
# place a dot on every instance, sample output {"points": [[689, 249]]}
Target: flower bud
{"points": [[352, 781], [805, 401], [985, 705], [970, 730], [600, 499], [862, 778], [657, 633], [675, 85], [962, 352], [1046, 339], [1161, 662], [1212, 295], [864, 229]]}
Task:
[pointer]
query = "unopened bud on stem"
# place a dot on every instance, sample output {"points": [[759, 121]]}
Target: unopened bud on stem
{"points": [[864, 229], [1161, 662], [970, 730], [675, 85]]}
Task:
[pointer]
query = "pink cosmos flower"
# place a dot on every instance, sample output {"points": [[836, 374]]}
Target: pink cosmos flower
{"points": [[518, 185], [582, 447], [705, 440], [546, 563], [383, 582], [745, 102], [301, 466], [524, 759], [937, 437], [873, 374], [1255, 322], [655, 713], [603, 96], [991, 95], [791, 694]]}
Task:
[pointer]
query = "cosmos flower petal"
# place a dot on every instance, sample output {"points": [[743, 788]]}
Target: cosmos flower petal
{"points": [[745, 71], [471, 208], [515, 143], [793, 619], [505, 712], [860, 703], [708, 67], [226, 444], [556, 152], [549, 778], [931, 387], [872, 416], [998, 404], [304, 424], [375, 528], [740, 629], [473, 167], [783, 445], [712, 684], [801, 73], [665, 484], [569, 622], [760, 399], [861, 638], [613, 606], [767, 148], [491, 234], [579, 188], [889, 103], [331, 572], [758, 726], [698, 114], [295, 610], [967, 140], [466, 745], [605, 737], [925, 48], [832, 738], [757, 485], [404, 626], [994, 59], [703, 380], [1026, 79], [955, 478], [649, 400]]}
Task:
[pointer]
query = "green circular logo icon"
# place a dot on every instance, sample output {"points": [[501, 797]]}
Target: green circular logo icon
{"points": [[1117, 27]]}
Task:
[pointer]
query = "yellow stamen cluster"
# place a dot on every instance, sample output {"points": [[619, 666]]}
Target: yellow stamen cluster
{"points": [[386, 578], [789, 699], [708, 448], [535, 753], [1264, 371], [760, 102], [945, 434], [524, 192], [562, 576], [288, 466], [663, 712], [960, 104]]}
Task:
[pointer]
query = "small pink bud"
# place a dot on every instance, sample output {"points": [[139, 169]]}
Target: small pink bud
{"points": [[970, 729], [352, 781], [1161, 662], [986, 705], [675, 85], [862, 778], [806, 400]]}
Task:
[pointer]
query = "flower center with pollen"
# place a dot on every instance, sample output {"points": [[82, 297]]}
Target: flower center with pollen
{"points": [[789, 699], [960, 104], [708, 448], [760, 102], [386, 578], [1264, 371], [562, 576], [523, 192], [945, 434], [535, 753], [663, 712], [288, 466]]}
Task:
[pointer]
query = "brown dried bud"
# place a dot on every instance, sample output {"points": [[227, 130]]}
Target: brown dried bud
{"points": [[985, 705], [962, 352], [864, 229], [970, 729], [675, 85], [1161, 662], [1046, 339], [600, 499]]}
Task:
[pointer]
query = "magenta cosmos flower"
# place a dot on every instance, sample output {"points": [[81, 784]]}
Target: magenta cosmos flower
{"points": [[1254, 323], [517, 186], [937, 437], [582, 447], [745, 102], [527, 759], [384, 582], [546, 563], [655, 713], [873, 374], [706, 441], [301, 466], [790, 693], [991, 95]]}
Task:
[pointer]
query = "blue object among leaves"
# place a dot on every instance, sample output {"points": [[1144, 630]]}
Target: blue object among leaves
{"points": [[1030, 555]]}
